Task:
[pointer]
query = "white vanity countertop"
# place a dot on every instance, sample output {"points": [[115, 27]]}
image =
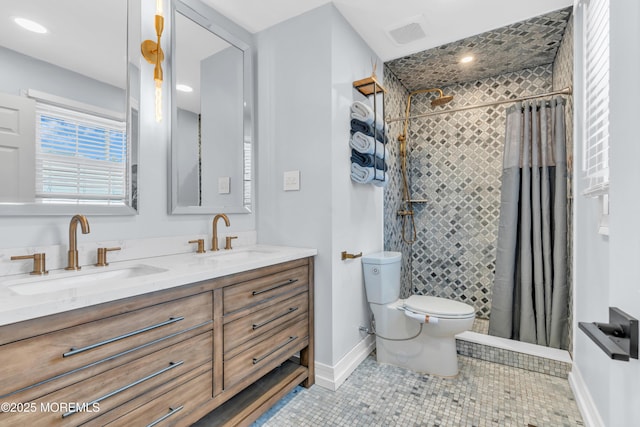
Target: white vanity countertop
{"points": [[19, 300]]}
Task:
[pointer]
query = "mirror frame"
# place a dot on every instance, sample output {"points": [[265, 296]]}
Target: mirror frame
{"points": [[236, 36], [39, 209]]}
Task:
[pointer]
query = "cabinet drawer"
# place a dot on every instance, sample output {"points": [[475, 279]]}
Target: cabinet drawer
{"points": [[257, 357], [115, 387], [90, 348], [252, 292], [170, 408], [263, 320]]}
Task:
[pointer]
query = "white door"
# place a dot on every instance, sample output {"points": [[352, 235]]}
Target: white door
{"points": [[607, 269], [17, 148]]}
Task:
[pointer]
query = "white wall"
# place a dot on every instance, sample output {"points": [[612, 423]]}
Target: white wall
{"points": [[187, 159], [294, 133], [306, 67], [357, 213], [153, 219], [21, 72], [624, 255], [607, 271], [222, 127]]}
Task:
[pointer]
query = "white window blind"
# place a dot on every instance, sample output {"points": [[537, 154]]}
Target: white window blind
{"points": [[79, 156], [596, 72]]}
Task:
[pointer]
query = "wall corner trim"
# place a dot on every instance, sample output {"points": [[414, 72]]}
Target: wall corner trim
{"points": [[586, 405], [332, 377]]}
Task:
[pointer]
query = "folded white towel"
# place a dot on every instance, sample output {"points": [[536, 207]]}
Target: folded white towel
{"points": [[364, 175], [366, 145], [364, 113]]}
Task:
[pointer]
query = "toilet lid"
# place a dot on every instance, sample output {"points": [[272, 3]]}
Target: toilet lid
{"points": [[439, 307]]}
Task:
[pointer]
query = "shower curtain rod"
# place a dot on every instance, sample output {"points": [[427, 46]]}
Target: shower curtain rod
{"points": [[565, 91]]}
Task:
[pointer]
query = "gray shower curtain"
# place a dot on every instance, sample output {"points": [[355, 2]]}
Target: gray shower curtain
{"points": [[530, 295]]}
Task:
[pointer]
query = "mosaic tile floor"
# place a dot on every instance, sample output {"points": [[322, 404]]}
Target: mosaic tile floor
{"points": [[481, 326], [483, 394]]}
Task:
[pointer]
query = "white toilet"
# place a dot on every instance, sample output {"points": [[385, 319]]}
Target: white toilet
{"points": [[399, 340]]}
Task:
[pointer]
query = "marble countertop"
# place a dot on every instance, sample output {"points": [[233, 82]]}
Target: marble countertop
{"points": [[24, 297]]}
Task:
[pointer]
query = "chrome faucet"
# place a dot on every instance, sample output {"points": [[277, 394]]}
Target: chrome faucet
{"points": [[214, 240], [73, 240]]}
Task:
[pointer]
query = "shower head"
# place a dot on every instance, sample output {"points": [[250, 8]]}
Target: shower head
{"points": [[441, 100]]}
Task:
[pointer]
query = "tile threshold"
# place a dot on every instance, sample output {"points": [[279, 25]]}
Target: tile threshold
{"points": [[516, 346]]}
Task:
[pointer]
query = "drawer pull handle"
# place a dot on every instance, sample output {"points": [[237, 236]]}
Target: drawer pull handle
{"points": [[171, 366], [266, 322], [74, 351], [165, 416], [262, 291], [257, 360]]}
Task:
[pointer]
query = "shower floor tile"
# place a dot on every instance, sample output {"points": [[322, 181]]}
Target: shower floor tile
{"points": [[483, 394], [481, 326]]}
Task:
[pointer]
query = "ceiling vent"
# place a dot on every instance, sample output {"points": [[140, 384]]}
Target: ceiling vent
{"points": [[410, 31]]}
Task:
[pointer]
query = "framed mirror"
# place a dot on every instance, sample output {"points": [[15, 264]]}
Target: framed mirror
{"points": [[211, 126], [69, 107]]}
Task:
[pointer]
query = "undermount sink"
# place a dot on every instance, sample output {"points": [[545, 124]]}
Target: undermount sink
{"points": [[236, 254], [81, 279]]}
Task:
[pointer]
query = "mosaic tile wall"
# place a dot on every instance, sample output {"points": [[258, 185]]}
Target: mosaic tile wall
{"points": [[515, 47], [456, 164], [563, 77], [394, 107]]}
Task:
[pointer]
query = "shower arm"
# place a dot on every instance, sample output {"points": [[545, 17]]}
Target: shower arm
{"points": [[405, 131]]}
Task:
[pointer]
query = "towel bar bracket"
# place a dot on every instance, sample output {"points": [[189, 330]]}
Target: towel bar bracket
{"points": [[618, 338]]}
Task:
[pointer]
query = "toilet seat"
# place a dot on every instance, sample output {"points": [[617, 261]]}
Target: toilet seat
{"points": [[439, 307]]}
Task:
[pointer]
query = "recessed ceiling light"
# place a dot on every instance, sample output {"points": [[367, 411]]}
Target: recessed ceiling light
{"points": [[466, 59], [30, 25], [184, 88]]}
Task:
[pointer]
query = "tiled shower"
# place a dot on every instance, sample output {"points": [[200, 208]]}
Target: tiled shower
{"points": [[455, 163]]}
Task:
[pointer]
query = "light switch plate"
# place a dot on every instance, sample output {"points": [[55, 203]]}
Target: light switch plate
{"points": [[292, 181], [224, 185]]}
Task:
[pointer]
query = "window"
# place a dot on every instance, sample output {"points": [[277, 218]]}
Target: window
{"points": [[596, 96], [80, 157]]}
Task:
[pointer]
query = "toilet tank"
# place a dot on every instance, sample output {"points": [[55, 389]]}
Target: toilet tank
{"points": [[382, 276]]}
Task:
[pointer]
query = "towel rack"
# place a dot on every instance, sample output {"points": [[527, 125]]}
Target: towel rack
{"points": [[371, 86], [345, 255]]}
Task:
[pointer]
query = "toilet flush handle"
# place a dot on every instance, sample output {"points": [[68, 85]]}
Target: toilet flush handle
{"points": [[422, 318]]}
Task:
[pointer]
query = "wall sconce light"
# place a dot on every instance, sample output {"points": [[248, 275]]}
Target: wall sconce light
{"points": [[152, 52]]}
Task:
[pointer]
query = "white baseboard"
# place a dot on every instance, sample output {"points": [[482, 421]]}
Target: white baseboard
{"points": [[332, 377], [586, 405]]}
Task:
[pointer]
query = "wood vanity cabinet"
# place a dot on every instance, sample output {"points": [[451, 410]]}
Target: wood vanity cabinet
{"points": [[221, 348]]}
